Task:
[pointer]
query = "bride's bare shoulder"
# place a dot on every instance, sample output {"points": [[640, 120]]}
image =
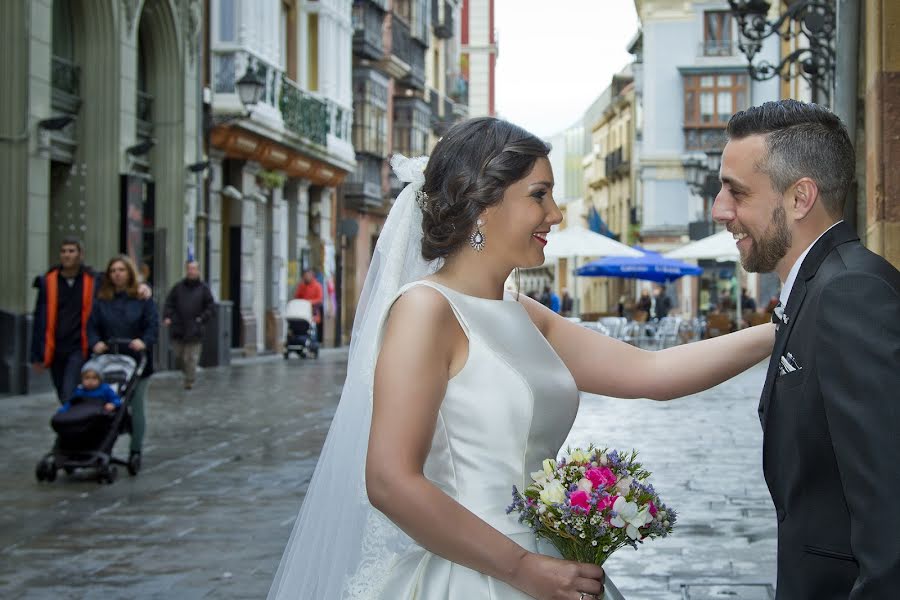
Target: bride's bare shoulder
{"points": [[422, 309]]}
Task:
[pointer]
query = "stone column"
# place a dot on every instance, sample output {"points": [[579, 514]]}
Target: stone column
{"points": [[25, 43], [278, 266], [249, 323], [882, 136], [215, 224]]}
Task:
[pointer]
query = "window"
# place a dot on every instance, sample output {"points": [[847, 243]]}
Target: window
{"points": [[717, 33], [370, 92], [412, 122], [226, 21], [709, 101]]}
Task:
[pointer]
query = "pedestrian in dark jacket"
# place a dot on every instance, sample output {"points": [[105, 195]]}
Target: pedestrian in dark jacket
{"points": [[65, 295], [119, 313], [189, 306]]}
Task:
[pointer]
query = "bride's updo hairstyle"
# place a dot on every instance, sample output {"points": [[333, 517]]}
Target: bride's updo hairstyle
{"points": [[468, 171]]}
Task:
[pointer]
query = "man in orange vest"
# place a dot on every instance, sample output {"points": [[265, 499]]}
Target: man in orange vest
{"points": [[59, 339], [310, 289]]}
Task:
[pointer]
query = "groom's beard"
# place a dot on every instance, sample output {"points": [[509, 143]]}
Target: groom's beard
{"points": [[766, 251]]}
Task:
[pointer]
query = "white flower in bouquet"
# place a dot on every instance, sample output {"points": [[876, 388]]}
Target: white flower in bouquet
{"points": [[629, 517]]}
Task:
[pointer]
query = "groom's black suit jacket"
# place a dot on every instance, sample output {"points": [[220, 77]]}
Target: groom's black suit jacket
{"points": [[831, 430]]}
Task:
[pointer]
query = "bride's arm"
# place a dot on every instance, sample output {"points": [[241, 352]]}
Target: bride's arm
{"points": [[603, 365], [422, 348]]}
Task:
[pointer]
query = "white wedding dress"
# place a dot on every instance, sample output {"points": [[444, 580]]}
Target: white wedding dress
{"points": [[511, 406]]}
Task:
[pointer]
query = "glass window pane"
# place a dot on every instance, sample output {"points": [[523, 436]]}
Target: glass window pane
{"points": [[740, 100], [226, 20], [706, 81], [707, 107], [724, 81], [725, 107], [690, 107]]}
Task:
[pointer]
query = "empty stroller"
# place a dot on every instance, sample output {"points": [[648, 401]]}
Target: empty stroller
{"points": [[301, 330], [86, 433]]}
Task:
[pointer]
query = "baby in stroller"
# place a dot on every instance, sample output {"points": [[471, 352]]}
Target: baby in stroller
{"points": [[92, 388], [89, 423]]}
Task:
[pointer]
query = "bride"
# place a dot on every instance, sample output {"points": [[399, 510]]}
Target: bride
{"points": [[457, 389]]}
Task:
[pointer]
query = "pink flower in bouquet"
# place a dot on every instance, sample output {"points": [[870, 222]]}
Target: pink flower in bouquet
{"points": [[653, 510], [580, 499], [606, 502], [601, 477]]}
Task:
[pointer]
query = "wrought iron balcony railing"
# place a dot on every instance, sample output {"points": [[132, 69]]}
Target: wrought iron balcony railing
{"points": [[401, 42], [718, 48], [144, 115], [304, 113]]}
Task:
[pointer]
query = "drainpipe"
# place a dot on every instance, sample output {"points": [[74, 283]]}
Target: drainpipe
{"points": [[845, 97]]}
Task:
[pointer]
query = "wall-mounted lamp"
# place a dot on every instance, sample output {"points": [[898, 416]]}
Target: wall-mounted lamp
{"points": [[229, 191], [198, 167], [141, 148], [55, 123]]}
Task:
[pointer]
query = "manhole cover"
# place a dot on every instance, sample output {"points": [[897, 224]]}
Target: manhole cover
{"points": [[727, 591]]}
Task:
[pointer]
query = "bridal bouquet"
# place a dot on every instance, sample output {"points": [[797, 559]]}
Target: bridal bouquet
{"points": [[591, 503]]}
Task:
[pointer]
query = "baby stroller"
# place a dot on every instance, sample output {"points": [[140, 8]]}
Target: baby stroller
{"points": [[301, 330], [86, 433]]}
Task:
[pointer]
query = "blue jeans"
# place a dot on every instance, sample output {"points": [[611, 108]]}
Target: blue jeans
{"points": [[66, 374]]}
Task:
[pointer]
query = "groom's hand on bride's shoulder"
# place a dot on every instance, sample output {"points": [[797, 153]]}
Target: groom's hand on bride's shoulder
{"points": [[548, 578]]}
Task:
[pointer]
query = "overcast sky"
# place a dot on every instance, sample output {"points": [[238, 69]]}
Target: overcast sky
{"points": [[557, 56]]}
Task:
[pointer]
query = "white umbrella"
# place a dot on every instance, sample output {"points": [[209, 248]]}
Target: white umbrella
{"points": [[719, 246], [579, 241]]}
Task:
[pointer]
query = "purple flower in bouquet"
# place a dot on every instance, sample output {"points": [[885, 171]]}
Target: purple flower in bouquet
{"points": [[592, 502]]}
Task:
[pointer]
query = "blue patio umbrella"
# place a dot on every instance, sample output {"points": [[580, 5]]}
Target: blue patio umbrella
{"points": [[652, 266]]}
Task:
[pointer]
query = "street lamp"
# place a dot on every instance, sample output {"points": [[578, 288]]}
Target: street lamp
{"points": [[250, 89], [816, 21]]}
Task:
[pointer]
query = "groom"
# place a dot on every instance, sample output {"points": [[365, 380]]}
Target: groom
{"points": [[830, 406]]}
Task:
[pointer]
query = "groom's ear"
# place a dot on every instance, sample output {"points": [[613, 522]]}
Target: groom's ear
{"points": [[803, 196]]}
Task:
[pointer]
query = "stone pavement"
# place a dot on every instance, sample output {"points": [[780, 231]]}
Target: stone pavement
{"points": [[226, 466]]}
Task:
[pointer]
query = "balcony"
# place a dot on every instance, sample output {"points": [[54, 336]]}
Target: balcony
{"points": [[616, 163], [595, 171], [717, 48], [66, 83], [458, 88], [412, 121], [706, 139], [697, 230], [368, 18], [65, 99], [362, 188], [305, 114], [416, 76], [442, 19], [144, 115], [401, 42]]}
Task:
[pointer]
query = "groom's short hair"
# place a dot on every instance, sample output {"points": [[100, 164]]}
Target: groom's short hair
{"points": [[802, 140]]}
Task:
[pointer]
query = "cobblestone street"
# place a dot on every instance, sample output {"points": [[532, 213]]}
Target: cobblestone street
{"points": [[226, 466]]}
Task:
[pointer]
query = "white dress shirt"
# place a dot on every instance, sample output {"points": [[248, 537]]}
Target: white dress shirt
{"points": [[788, 283]]}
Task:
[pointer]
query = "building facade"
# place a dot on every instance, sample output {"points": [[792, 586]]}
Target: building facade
{"points": [[407, 90], [100, 117], [271, 208], [479, 57], [687, 93], [609, 184]]}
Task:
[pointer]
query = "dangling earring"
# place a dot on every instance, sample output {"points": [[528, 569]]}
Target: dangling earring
{"points": [[476, 240]]}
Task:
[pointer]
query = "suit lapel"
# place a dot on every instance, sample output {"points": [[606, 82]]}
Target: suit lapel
{"points": [[795, 301], [834, 237]]}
